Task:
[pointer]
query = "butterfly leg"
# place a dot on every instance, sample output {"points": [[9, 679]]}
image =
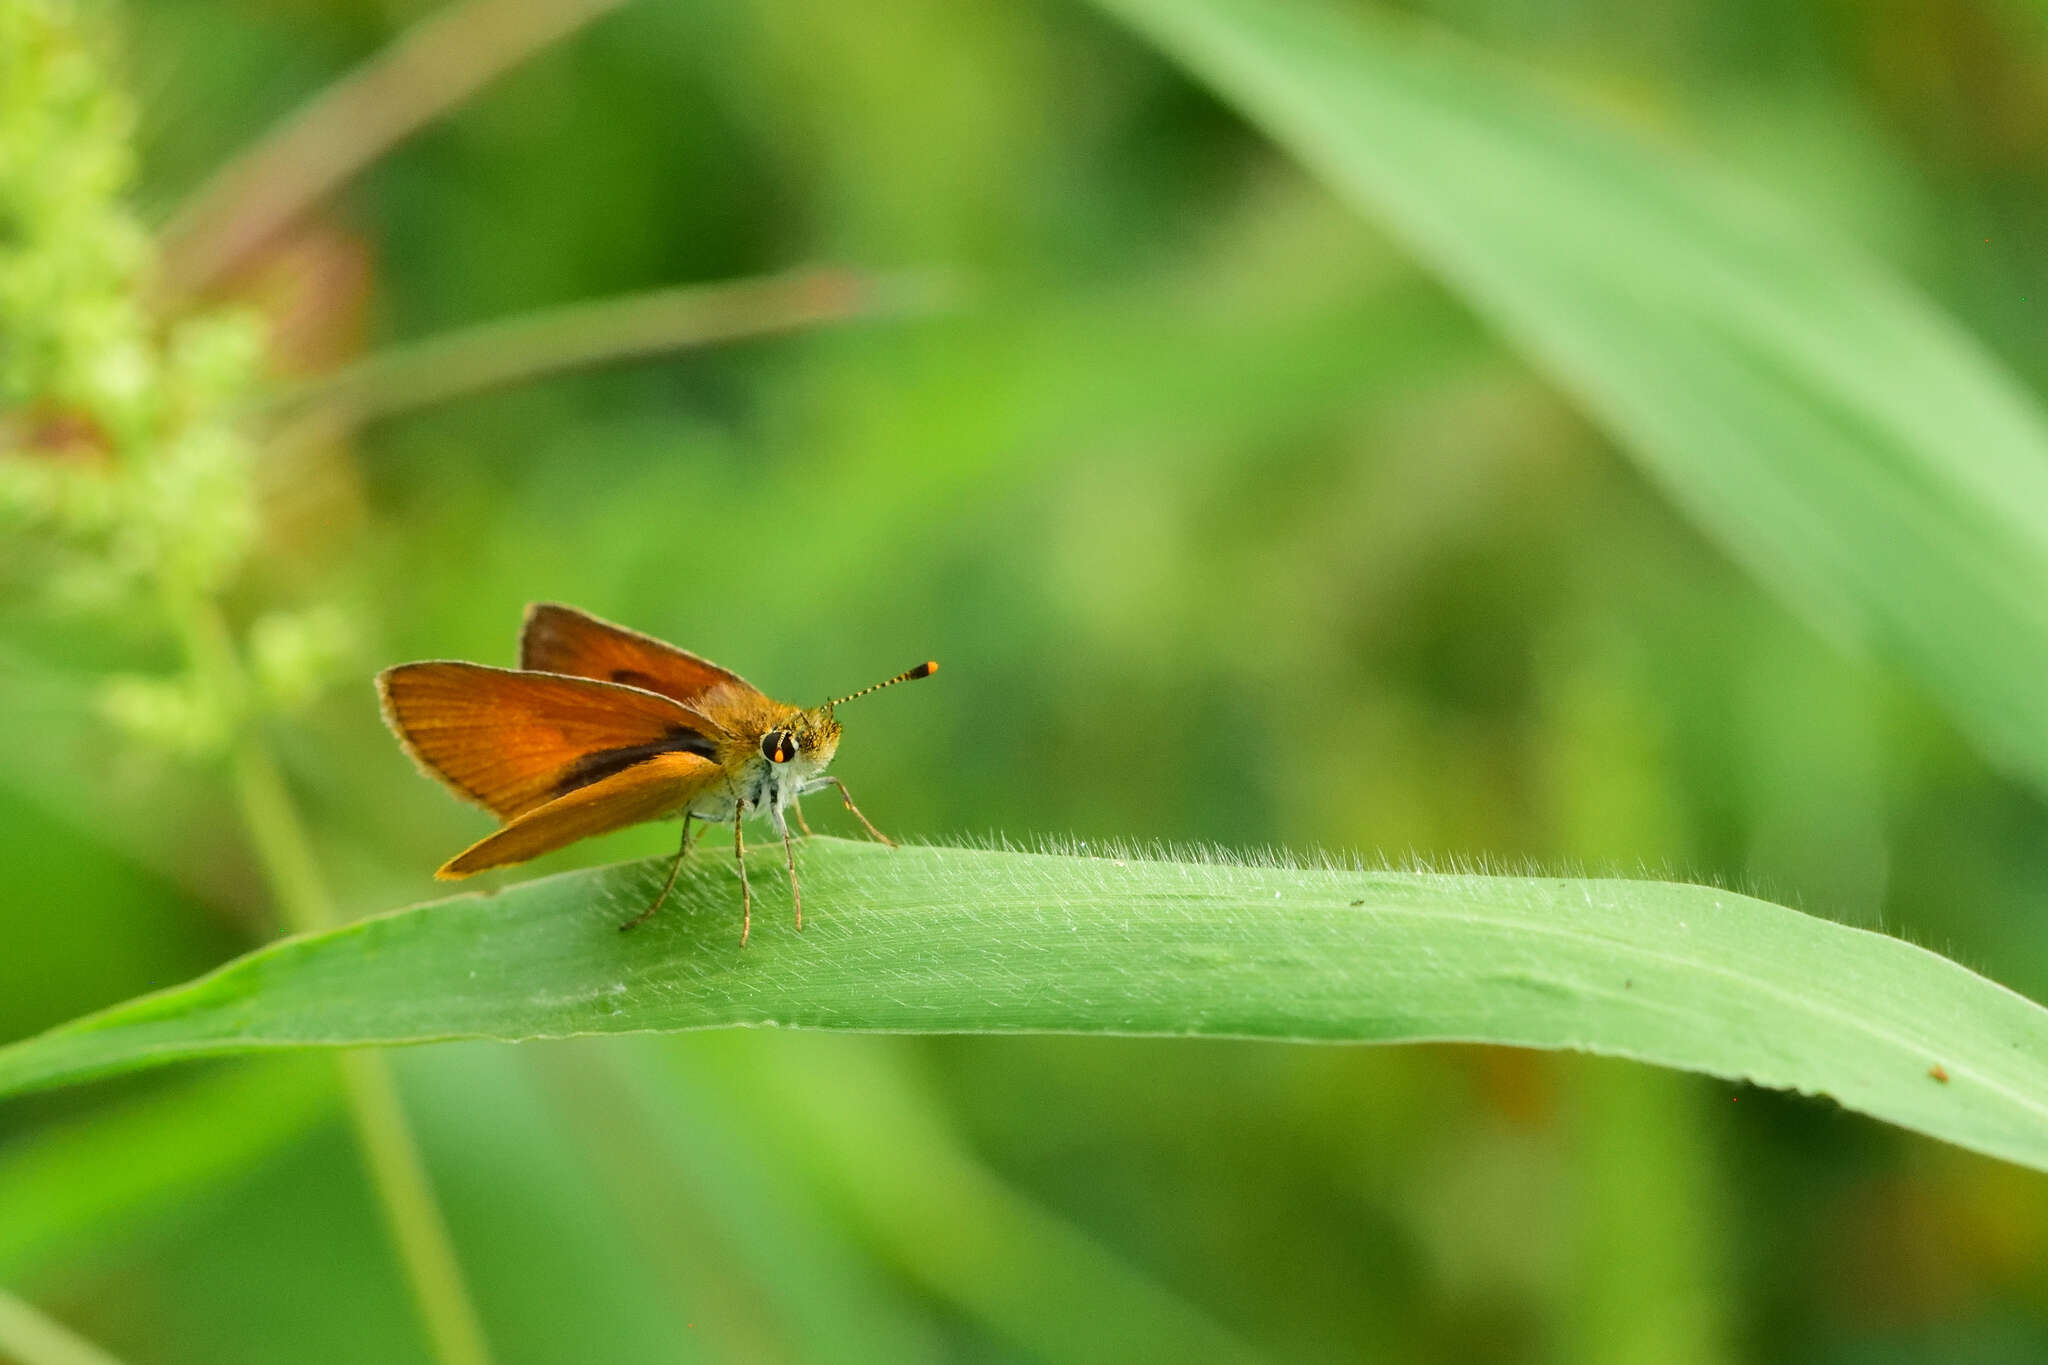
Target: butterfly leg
{"points": [[801, 823], [820, 783], [739, 853], [789, 858], [667, 886]]}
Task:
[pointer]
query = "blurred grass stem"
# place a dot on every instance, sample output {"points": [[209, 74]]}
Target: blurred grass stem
{"points": [[582, 335], [431, 68], [411, 1211], [29, 1338], [392, 1158]]}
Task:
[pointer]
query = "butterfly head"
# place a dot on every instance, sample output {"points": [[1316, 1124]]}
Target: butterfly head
{"points": [[806, 740]]}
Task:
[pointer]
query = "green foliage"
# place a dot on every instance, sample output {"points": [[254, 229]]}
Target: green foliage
{"points": [[1231, 520], [1820, 420], [80, 1185]]}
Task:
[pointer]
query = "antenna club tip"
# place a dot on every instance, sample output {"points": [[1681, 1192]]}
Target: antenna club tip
{"points": [[925, 669]]}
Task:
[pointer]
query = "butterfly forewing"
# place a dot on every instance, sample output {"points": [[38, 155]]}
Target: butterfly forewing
{"points": [[559, 639], [512, 741], [647, 790]]}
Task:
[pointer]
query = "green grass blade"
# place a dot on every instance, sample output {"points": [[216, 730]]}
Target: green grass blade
{"points": [[1842, 439], [941, 939]]}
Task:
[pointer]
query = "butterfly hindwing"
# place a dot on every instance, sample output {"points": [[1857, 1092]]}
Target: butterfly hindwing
{"points": [[647, 790], [512, 740], [559, 639]]}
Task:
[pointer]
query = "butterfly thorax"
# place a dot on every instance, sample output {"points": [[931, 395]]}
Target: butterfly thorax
{"points": [[767, 752]]}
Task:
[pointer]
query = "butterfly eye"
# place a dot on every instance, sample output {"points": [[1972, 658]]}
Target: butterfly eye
{"points": [[778, 746]]}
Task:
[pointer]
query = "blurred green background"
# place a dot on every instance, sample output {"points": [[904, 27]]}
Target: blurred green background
{"points": [[1228, 524]]}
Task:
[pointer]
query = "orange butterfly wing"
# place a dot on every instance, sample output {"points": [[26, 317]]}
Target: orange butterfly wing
{"points": [[559, 639], [647, 790], [513, 741]]}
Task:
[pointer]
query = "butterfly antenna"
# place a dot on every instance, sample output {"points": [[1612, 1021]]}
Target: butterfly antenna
{"points": [[923, 670]]}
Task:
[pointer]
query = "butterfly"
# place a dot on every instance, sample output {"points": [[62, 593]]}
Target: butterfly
{"points": [[601, 727]]}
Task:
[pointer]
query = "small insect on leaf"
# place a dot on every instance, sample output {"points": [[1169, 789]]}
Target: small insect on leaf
{"points": [[602, 727], [1938, 1072]]}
